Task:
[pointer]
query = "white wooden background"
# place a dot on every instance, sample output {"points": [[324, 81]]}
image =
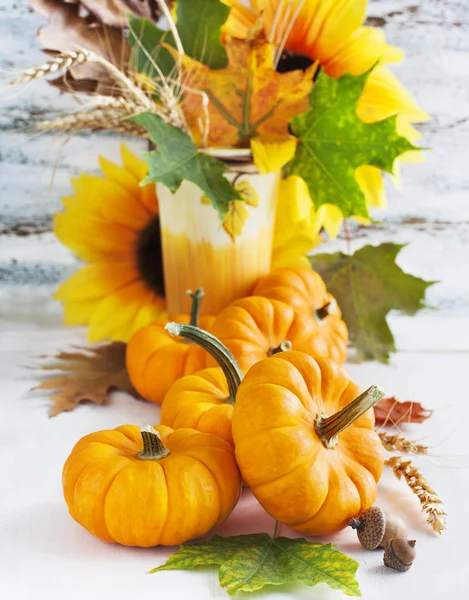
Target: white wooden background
{"points": [[43, 553]]}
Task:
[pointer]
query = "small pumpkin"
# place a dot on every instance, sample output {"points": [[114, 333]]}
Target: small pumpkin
{"points": [[304, 290], [305, 442], [151, 486], [254, 328], [204, 400], [155, 360]]}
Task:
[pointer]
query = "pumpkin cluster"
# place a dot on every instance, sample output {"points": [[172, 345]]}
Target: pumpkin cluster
{"points": [[257, 396]]}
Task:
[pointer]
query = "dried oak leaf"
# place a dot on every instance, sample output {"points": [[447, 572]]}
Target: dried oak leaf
{"points": [[86, 375], [390, 411], [247, 98]]}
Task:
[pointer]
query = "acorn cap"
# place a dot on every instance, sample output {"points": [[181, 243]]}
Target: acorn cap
{"points": [[399, 554], [370, 527]]}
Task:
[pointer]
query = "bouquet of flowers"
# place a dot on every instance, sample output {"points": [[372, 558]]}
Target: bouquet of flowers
{"points": [[268, 125]]}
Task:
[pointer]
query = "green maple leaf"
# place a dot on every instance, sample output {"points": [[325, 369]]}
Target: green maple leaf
{"points": [[146, 40], [199, 25], [177, 158], [367, 285], [334, 142], [249, 562]]}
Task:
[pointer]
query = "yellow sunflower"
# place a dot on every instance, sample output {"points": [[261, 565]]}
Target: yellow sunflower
{"points": [[332, 33], [112, 224]]}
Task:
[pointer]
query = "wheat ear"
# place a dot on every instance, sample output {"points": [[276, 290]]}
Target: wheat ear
{"points": [[95, 119], [431, 504], [398, 443], [62, 62]]}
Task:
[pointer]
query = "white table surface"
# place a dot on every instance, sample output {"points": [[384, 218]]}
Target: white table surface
{"points": [[43, 552]]}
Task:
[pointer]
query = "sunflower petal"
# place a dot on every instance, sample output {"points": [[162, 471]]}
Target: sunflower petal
{"points": [[96, 281], [370, 180], [331, 217], [366, 47], [119, 175], [114, 317], [93, 239], [385, 96]]}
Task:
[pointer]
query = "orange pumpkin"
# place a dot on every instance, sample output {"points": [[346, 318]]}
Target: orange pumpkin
{"points": [[152, 486], [304, 290], [254, 328], [204, 400], [155, 360], [305, 443]]}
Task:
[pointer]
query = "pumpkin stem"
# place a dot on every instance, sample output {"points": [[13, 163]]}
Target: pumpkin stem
{"points": [[321, 313], [283, 347], [328, 428], [195, 306], [153, 448], [216, 349]]}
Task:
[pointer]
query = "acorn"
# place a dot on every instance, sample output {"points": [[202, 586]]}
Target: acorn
{"points": [[399, 554], [375, 528]]}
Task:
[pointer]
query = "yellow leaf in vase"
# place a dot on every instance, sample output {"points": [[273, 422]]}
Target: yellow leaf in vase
{"points": [[248, 193], [248, 98], [271, 154], [235, 218]]}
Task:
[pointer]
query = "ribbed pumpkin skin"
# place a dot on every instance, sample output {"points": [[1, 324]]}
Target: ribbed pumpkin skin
{"points": [[155, 360], [252, 326], [304, 290], [120, 498], [199, 401], [295, 478]]}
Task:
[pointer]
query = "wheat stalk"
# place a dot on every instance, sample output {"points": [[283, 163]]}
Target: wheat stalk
{"points": [[62, 62], [431, 504], [95, 119], [398, 443]]}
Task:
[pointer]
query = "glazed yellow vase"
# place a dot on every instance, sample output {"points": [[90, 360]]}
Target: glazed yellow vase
{"points": [[198, 252]]}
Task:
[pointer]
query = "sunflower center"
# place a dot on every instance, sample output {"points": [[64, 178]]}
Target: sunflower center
{"points": [[150, 256], [292, 61]]}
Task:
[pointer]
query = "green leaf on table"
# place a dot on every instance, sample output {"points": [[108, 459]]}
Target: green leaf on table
{"points": [[367, 285], [199, 25], [334, 142], [176, 158], [249, 562]]}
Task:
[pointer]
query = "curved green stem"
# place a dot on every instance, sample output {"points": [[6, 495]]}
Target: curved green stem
{"points": [[195, 306], [328, 428], [153, 448], [216, 349]]}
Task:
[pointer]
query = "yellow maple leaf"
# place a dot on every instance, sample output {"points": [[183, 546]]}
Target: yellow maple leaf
{"points": [[235, 218], [248, 193], [246, 99], [271, 154]]}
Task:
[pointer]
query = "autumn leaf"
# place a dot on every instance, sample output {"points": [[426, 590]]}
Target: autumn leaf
{"points": [[176, 159], [367, 285], [86, 375], [334, 142], [235, 219], [199, 25], [247, 98], [249, 562], [390, 411], [247, 192]]}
